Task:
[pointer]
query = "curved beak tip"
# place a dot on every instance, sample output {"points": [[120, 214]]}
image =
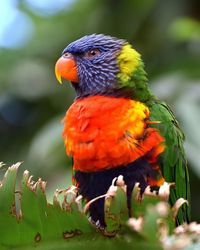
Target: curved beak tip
{"points": [[58, 77]]}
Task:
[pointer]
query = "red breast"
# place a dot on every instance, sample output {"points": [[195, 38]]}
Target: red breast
{"points": [[102, 132]]}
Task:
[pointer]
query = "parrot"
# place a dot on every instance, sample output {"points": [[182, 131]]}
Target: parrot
{"points": [[117, 126]]}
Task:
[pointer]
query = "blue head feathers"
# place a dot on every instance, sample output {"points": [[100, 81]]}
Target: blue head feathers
{"points": [[96, 61], [102, 42]]}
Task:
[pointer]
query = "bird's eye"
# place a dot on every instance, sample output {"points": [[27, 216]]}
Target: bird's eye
{"points": [[92, 53], [66, 54]]}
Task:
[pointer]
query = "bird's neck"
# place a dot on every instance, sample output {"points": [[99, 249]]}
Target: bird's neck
{"points": [[141, 93], [135, 88], [137, 85]]}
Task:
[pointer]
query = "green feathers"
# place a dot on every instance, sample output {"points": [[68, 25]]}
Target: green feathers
{"points": [[173, 161]]}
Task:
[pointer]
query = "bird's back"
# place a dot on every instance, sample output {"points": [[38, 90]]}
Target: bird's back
{"points": [[173, 161]]}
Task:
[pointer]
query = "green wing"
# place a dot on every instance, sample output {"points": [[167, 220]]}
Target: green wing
{"points": [[173, 161]]}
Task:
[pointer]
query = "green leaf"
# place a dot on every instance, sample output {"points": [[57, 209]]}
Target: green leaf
{"points": [[116, 211], [28, 221]]}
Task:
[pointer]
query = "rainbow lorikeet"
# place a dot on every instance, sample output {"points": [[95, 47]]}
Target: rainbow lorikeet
{"points": [[116, 126]]}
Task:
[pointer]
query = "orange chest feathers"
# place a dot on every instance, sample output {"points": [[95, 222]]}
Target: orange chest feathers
{"points": [[105, 132]]}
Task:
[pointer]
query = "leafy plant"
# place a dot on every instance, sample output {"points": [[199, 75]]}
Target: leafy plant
{"points": [[28, 221]]}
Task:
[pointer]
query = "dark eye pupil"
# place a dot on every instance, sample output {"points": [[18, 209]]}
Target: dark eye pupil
{"points": [[93, 53]]}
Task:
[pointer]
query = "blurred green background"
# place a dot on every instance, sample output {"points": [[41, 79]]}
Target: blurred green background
{"points": [[33, 33]]}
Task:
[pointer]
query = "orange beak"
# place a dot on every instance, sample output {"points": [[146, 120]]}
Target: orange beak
{"points": [[66, 68]]}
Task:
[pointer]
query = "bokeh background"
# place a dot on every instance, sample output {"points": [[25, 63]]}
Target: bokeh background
{"points": [[33, 33]]}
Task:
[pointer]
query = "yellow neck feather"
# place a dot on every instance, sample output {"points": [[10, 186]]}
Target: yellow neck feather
{"points": [[128, 61]]}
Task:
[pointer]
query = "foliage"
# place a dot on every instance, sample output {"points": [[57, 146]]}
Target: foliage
{"points": [[32, 104], [28, 221]]}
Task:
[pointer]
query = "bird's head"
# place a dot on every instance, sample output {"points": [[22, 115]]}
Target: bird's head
{"points": [[100, 64]]}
